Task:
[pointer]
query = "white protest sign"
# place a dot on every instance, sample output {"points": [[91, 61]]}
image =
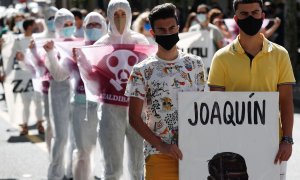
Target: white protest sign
{"points": [[199, 43], [239, 129]]}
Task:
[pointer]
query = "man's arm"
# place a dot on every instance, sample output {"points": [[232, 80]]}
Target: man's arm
{"points": [[135, 120], [287, 120], [216, 88], [219, 44], [269, 32]]}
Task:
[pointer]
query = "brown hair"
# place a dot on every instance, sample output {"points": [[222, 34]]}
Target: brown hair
{"points": [[237, 2], [213, 13]]}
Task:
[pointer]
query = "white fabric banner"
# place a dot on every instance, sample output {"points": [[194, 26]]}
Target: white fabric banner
{"points": [[35, 60], [228, 135]]}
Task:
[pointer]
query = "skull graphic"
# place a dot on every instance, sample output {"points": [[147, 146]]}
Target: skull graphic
{"points": [[120, 63]]}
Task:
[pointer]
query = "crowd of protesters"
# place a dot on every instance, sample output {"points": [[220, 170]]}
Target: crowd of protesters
{"points": [[69, 120]]}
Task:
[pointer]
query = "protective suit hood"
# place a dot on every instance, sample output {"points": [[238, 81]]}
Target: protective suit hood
{"points": [[113, 6], [49, 12], [61, 17], [113, 36], [98, 18], [50, 26]]}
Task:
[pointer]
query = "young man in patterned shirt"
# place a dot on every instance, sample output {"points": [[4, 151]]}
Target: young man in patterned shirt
{"points": [[153, 88]]}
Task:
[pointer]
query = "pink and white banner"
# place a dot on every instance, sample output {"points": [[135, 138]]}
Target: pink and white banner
{"points": [[105, 69], [35, 60], [65, 49]]}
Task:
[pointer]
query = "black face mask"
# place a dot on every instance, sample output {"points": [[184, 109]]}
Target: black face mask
{"points": [[250, 25], [167, 41]]}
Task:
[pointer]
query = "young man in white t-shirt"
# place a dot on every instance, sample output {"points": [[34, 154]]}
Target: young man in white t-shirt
{"points": [[153, 87], [22, 74]]}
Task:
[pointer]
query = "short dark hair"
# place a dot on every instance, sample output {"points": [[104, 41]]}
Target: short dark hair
{"points": [[163, 11], [203, 6], [227, 164], [237, 2], [76, 12], [28, 22]]}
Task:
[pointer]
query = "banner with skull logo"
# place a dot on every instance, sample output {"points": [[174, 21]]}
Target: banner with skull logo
{"points": [[105, 69]]}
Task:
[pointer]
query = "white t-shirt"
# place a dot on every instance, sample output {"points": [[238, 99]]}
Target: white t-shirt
{"points": [[158, 82]]}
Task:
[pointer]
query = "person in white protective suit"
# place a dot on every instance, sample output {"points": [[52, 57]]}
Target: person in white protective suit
{"points": [[59, 99], [113, 124], [84, 113], [22, 74], [49, 32]]}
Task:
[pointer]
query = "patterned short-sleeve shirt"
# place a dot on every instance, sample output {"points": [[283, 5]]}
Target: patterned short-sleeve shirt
{"points": [[158, 82]]}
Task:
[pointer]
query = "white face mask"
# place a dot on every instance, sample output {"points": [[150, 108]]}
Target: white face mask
{"points": [[93, 34], [194, 22], [201, 17], [67, 32], [19, 25]]}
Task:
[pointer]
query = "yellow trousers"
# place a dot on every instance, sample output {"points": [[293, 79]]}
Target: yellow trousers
{"points": [[161, 167]]}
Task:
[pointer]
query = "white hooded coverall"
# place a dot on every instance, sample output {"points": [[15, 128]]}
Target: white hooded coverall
{"points": [[83, 114], [59, 100], [47, 34], [114, 123]]}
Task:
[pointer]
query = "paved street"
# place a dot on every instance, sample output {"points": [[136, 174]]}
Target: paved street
{"points": [[24, 158], [21, 157]]}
